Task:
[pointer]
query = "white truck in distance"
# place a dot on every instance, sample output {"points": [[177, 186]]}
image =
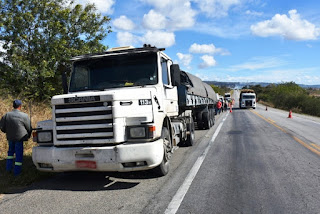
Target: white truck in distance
{"points": [[125, 110], [227, 96], [247, 99]]}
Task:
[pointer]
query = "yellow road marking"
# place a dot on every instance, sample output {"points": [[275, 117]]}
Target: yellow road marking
{"points": [[315, 146], [306, 145], [294, 137], [271, 120]]}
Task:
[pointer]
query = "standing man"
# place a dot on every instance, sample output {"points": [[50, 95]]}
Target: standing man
{"points": [[219, 105], [17, 127]]}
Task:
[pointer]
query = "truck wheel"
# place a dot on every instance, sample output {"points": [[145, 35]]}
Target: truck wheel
{"points": [[190, 137], [199, 120], [212, 118], [206, 120], [163, 168]]}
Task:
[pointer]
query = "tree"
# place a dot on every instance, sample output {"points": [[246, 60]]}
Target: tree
{"points": [[220, 90], [39, 37]]}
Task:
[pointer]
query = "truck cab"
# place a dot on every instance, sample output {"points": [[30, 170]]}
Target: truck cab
{"points": [[247, 99], [227, 97], [113, 117]]}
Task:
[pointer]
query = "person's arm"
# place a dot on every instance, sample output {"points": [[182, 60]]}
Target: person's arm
{"points": [[27, 125], [3, 123]]}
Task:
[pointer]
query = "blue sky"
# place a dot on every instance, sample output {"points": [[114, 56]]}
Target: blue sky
{"points": [[224, 40]]}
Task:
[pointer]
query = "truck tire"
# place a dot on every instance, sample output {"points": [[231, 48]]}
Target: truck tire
{"points": [[199, 120], [190, 137], [163, 168], [212, 116], [206, 120]]}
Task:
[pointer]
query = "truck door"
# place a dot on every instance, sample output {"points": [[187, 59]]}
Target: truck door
{"points": [[170, 92]]}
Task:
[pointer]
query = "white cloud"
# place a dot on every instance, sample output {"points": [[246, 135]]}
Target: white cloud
{"points": [[254, 13], [309, 46], [203, 77], [208, 61], [177, 13], [207, 49], [216, 8], [185, 59], [259, 63], [302, 75], [154, 20], [292, 27], [196, 48], [126, 39], [104, 6], [123, 23], [159, 39]]}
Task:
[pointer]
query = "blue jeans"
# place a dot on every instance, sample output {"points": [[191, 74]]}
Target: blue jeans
{"points": [[15, 148]]}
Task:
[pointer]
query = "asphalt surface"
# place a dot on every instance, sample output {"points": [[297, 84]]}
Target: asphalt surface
{"points": [[251, 161]]}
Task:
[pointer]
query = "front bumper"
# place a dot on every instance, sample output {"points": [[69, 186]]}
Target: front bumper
{"points": [[108, 158], [248, 104]]}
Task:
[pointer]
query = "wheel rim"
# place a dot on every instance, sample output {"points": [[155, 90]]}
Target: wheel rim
{"points": [[167, 149]]}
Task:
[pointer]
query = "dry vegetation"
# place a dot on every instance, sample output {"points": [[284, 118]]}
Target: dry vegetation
{"points": [[39, 112]]}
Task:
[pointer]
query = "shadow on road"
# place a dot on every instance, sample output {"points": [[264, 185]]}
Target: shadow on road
{"points": [[90, 181]]}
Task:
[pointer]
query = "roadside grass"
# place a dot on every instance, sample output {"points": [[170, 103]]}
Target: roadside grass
{"points": [[29, 175], [9, 182]]}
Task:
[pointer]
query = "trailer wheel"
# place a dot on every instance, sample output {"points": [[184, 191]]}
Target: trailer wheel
{"points": [[163, 168], [199, 120], [206, 120], [213, 117], [190, 137]]}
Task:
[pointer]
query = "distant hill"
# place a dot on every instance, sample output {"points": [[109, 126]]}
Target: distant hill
{"points": [[242, 84]]}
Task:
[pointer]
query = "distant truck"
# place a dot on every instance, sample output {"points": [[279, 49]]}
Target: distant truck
{"points": [[227, 96], [125, 110], [247, 99]]}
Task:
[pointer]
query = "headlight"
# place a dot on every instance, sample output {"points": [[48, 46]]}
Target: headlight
{"points": [[44, 136], [137, 132], [141, 132]]}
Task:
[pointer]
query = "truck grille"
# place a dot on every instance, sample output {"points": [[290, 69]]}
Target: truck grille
{"points": [[248, 102], [84, 123]]}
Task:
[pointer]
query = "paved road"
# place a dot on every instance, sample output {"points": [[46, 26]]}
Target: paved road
{"points": [[251, 161]]}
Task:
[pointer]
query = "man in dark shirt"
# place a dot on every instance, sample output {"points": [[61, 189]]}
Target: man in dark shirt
{"points": [[17, 127]]}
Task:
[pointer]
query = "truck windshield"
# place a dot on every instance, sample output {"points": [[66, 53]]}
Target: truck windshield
{"points": [[114, 71], [248, 97]]}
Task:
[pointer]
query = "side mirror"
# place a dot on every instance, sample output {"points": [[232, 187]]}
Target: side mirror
{"points": [[175, 74], [64, 82]]}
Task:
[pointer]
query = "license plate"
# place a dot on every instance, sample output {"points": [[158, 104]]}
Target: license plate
{"points": [[86, 164]]}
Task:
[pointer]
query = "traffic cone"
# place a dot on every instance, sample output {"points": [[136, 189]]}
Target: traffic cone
{"points": [[266, 108], [290, 114]]}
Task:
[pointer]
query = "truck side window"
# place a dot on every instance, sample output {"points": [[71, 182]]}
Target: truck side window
{"points": [[165, 76]]}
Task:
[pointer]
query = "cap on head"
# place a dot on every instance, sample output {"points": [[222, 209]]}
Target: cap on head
{"points": [[17, 103]]}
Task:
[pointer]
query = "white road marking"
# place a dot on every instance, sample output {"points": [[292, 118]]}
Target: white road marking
{"points": [[178, 197]]}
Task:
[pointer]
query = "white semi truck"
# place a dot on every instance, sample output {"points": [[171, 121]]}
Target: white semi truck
{"points": [[227, 96], [126, 110], [247, 99]]}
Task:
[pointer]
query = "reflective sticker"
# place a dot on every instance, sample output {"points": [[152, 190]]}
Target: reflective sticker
{"points": [[18, 163], [10, 157]]}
